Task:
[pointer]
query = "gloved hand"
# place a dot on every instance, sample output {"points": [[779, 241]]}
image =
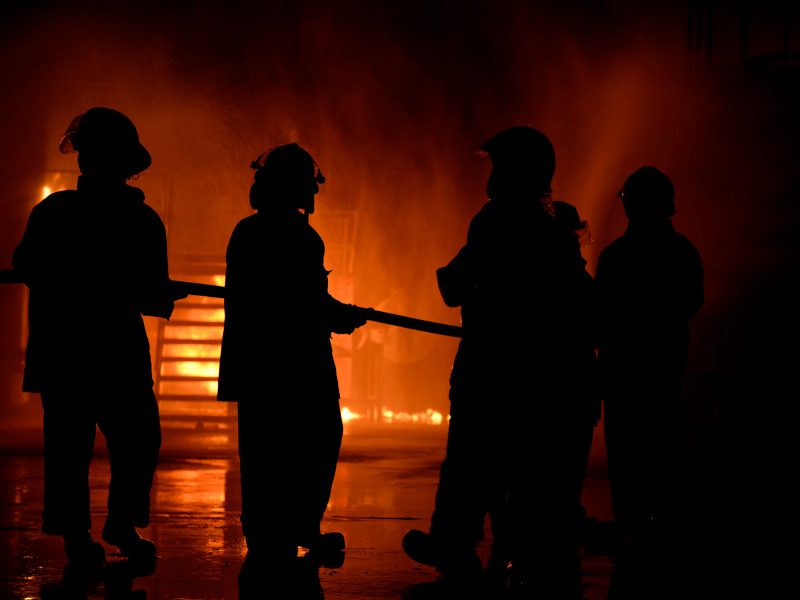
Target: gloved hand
{"points": [[348, 318], [459, 277]]}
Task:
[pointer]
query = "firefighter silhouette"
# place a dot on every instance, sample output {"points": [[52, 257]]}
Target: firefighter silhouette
{"points": [[277, 363], [95, 260], [650, 284], [521, 384]]}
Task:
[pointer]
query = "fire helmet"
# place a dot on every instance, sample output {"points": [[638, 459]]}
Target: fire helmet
{"points": [[107, 140], [568, 215], [285, 175], [648, 194], [523, 152]]}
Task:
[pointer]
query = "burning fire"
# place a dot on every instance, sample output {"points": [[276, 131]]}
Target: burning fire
{"points": [[191, 360], [47, 190], [348, 415], [426, 417], [55, 181]]}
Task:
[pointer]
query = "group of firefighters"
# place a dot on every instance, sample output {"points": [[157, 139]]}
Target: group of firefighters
{"points": [[620, 338]]}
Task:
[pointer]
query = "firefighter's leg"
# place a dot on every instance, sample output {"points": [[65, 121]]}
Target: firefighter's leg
{"points": [[627, 446], [313, 466], [543, 503], [329, 436], [665, 489], [462, 498], [267, 461], [314, 482], [69, 433], [131, 426]]}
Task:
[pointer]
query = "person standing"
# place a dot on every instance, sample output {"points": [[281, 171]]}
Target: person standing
{"points": [[650, 285], [95, 260], [520, 388], [277, 363]]}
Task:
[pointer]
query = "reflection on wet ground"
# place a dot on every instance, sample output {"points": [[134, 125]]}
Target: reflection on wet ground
{"points": [[385, 485]]}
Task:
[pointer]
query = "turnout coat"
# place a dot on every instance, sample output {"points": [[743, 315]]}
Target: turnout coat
{"points": [[95, 260], [278, 313]]}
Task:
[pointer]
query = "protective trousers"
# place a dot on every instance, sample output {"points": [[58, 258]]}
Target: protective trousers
{"points": [[644, 441], [130, 424], [523, 467], [288, 460]]}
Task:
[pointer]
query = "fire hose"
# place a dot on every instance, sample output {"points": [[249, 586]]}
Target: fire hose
{"points": [[370, 314]]}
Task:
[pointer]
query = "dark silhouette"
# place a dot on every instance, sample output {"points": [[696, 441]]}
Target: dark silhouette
{"points": [[298, 580], [119, 576], [118, 579], [569, 216], [650, 284], [277, 363], [95, 260], [521, 386]]}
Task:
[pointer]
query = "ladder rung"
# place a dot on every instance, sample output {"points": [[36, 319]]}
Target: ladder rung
{"points": [[188, 378], [208, 305], [187, 398], [194, 324], [189, 341], [175, 359]]}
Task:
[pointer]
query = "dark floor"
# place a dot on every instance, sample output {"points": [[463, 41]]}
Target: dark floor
{"points": [[385, 485]]}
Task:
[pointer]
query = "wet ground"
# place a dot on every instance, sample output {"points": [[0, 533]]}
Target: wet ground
{"points": [[385, 485]]}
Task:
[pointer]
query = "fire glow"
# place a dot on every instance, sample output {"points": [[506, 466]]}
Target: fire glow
{"points": [[188, 349], [426, 417]]}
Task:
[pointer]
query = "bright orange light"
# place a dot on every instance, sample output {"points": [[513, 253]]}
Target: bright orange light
{"points": [[434, 416], [190, 351], [54, 184], [191, 369], [426, 417], [190, 363], [348, 415]]}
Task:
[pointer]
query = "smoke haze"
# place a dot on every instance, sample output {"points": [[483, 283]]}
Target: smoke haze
{"points": [[393, 99]]}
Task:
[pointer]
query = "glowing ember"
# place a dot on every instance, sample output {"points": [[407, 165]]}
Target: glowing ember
{"points": [[427, 417], [348, 415], [55, 182]]}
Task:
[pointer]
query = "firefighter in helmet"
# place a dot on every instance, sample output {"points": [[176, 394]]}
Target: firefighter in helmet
{"points": [[95, 259], [276, 362], [650, 284], [520, 384]]}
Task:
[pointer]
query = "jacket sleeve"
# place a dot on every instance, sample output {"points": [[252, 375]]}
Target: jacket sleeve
{"points": [[154, 295], [457, 279], [27, 259]]}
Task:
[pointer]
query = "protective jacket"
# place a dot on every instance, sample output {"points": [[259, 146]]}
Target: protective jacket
{"points": [[95, 260], [650, 283], [525, 298], [278, 313]]}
